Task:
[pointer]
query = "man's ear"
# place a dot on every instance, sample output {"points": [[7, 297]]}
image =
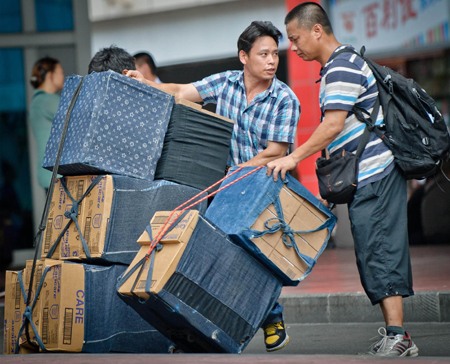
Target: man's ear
{"points": [[243, 57], [317, 30], [124, 72]]}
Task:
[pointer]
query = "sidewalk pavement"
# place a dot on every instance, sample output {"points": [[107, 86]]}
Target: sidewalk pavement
{"points": [[332, 293]]}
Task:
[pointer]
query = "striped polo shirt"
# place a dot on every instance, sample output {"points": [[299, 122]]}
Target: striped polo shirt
{"points": [[347, 80], [271, 116]]}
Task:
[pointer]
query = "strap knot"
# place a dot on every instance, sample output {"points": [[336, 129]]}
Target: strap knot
{"points": [[28, 313], [286, 230]]}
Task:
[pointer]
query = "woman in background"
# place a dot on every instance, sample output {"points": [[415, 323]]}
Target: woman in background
{"points": [[47, 78]]}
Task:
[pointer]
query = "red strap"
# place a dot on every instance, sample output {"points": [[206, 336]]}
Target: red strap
{"points": [[164, 229]]}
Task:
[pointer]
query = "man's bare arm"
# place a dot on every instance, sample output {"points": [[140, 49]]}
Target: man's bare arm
{"points": [[273, 151], [182, 91], [326, 132]]}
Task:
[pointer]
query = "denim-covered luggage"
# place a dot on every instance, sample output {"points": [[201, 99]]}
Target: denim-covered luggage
{"points": [[117, 126], [281, 224], [216, 299], [78, 311], [110, 217], [196, 147]]}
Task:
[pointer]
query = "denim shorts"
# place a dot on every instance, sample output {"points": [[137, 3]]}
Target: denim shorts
{"points": [[379, 228]]}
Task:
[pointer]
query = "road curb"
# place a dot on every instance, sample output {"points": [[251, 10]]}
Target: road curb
{"points": [[356, 307], [352, 308]]}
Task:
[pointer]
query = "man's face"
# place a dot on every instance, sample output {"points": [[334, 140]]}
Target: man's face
{"points": [[304, 41], [144, 69], [262, 60]]}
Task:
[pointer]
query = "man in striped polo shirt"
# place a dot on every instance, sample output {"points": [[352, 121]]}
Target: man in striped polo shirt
{"points": [[265, 112], [378, 210]]}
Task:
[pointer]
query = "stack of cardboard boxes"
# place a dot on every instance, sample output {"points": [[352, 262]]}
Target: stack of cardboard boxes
{"points": [[213, 278], [117, 130]]}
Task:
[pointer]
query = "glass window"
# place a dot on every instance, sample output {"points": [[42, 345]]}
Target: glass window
{"points": [[53, 15], [12, 83], [16, 229], [10, 16]]}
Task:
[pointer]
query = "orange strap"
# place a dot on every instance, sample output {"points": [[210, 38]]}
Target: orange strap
{"points": [[164, 229]]}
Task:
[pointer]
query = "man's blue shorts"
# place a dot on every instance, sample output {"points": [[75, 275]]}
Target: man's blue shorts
{"points": [[379, 227]]}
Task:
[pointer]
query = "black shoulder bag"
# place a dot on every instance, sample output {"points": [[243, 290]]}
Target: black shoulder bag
{"points": [[338, 176]]}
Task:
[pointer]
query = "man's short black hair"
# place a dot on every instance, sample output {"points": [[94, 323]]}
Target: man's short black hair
{"points": [[144, 57], [309, 14], [112, 58], [254, 31]]}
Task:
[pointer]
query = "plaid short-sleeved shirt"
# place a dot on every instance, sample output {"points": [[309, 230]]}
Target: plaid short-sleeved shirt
{"points": [[271, 116]]}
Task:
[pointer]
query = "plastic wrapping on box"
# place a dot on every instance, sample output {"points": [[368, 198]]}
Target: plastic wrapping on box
{"points": [[196, 148], [117, 126]]}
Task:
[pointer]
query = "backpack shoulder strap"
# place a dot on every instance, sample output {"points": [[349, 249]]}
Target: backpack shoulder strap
{"points": [[346, 50]]}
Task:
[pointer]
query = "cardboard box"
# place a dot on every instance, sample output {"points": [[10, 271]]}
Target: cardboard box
{"points": [[96, 214], [218, 293], [113, 199], [166, 259], [62, 308], [39, 267], [56, 221], [300, 215], [58, 314], [12, 315], [15, 305]]}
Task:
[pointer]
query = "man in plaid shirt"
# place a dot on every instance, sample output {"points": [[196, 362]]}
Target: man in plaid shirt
{"points": [[265, 112], [264, 109]]}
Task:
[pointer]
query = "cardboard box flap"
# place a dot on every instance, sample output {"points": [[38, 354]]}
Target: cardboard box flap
{"points": [[178, 234], [188, 103]]}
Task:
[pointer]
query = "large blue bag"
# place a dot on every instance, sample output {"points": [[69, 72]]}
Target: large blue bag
{"points": [[216, 299], [280, 223], [117, 126]]}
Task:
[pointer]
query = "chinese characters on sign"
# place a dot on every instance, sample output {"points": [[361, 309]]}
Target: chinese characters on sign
{"points": [[387, 24]]}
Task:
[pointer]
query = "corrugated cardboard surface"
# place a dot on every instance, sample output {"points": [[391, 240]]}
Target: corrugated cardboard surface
{"points": [[300, 215], [56, 220], [94, 211], [166, 259], [58, 314], [62, 308]]}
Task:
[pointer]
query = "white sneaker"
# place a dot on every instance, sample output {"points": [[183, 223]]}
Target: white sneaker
{"points": [[397, 345]]}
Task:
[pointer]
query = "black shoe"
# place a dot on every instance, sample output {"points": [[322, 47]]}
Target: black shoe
{"points": [[275, 336]]}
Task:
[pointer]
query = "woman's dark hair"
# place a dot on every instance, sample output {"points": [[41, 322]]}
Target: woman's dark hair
{"points": [[309, 14], [254, 31], [40, 70]]}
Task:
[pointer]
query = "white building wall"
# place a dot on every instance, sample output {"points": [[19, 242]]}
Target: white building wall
{"points": [[190, 34]]}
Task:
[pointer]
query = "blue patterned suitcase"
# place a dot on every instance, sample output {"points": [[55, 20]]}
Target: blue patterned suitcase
{"points": [[117, 126]]}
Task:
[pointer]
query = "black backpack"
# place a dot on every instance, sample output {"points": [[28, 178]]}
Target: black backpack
{"points": [[414, 129]]}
